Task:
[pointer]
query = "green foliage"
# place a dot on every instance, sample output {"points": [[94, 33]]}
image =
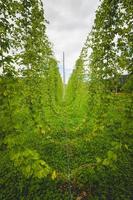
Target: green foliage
{"points": [[105, 116], [78, 148], [29, 162]]}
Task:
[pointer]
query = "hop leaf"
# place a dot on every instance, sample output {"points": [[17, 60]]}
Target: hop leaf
{"points": [[98, 160], [54, 175]]}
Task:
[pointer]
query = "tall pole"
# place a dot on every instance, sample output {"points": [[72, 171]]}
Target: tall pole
{"points": [[64, 78]]}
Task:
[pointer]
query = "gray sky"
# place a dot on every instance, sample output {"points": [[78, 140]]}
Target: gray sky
{"points": [[70, 22]]}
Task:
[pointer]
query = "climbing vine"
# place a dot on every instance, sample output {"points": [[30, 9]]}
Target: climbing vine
{"points": [[76, 147]]}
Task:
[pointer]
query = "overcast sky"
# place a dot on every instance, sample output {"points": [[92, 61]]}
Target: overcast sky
{"points": [[70, 22]]}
